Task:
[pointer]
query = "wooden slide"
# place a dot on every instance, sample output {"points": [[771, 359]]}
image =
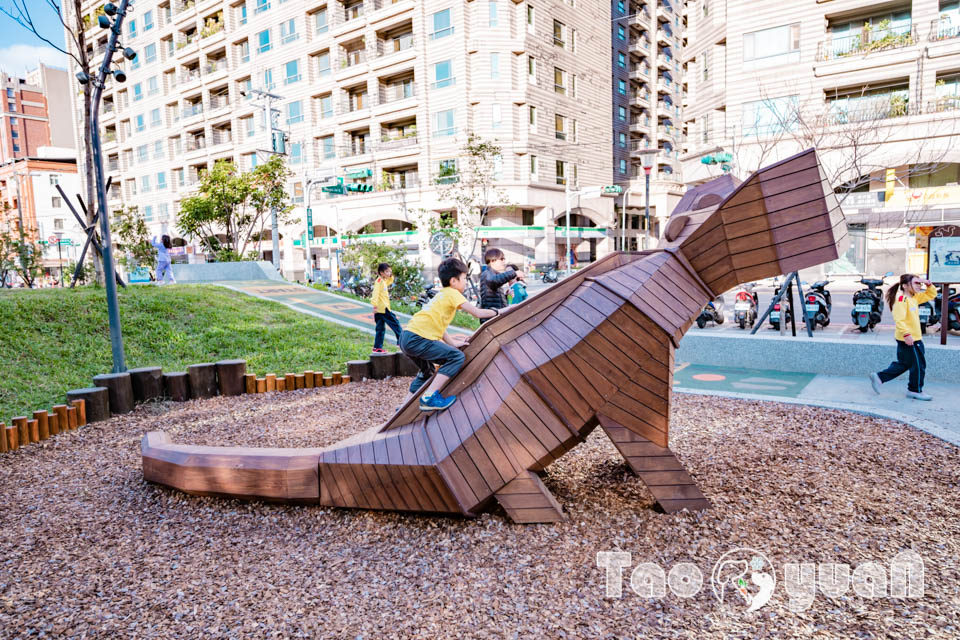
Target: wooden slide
{"points": [[596, 349]]}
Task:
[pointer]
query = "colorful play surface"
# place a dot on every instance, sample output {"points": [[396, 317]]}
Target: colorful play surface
{"points": [[753, 381]]}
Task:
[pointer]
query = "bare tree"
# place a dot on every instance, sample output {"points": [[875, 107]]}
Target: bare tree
{"points": [[22, 12]]}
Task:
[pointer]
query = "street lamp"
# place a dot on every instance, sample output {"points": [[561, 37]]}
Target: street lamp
{"points": [[647, 157]]}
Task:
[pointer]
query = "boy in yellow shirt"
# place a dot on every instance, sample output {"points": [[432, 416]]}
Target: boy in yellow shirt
{"points": [[381, 307], [426, 341]]}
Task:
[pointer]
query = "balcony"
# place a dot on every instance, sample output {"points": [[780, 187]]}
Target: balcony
{"points": [[640, 125], [222, 136], [667, 109], [213, 66], [640, 45], [398, 142], [185, 41], [866, 42], [190, 75], [354, 103], [640, 19], [944, 29], [664, 13], [358, 148], [668, 131], [666, 85], [641, 97], [445, 177], [113, 165], [352, 58], [395, 45], [639, 72], [191, 110], [397, 92], [665, 62], [221, 101], [639, 147], [196, 143]]}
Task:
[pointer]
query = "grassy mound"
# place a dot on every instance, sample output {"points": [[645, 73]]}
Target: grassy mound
{"points": [[58, 339]]}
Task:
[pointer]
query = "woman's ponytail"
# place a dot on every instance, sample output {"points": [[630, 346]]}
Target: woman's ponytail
{"points": [[891, 294]]}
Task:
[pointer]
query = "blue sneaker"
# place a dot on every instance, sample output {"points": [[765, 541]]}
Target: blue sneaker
{"points": [[435, 402]]}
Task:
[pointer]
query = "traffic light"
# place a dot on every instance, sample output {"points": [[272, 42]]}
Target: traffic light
{"points": [[359, 187], [613, 188], [337, 188]]}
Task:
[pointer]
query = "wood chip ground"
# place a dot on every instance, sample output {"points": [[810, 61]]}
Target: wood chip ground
{"points": [[88, 549]]}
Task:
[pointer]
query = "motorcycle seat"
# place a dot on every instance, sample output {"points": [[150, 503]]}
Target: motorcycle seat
{"points": [[872, 281]]}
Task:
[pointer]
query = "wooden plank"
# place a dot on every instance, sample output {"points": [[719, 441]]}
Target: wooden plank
{"points": [[540, 506], [634, 423], [476, 452]]}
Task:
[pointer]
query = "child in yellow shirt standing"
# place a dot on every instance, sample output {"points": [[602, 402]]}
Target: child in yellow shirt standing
{"points": [[913, 291], [382, 315], [426, 341]]}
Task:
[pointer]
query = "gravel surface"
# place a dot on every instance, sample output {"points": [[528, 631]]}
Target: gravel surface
{"points": [[88, 549]]}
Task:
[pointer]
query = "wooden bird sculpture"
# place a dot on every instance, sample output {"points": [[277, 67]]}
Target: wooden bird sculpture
{"points": [[596, 349]]}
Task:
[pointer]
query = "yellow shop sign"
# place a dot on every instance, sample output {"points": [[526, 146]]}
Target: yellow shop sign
{"points": [[929, 197]]}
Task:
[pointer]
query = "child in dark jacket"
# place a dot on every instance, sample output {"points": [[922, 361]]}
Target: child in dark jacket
{"points": [[493, 278]]}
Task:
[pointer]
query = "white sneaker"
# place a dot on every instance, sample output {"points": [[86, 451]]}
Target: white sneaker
{"points": [[919, 395], [875, 382]]}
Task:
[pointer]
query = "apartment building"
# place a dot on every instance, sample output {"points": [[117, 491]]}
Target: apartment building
{"points": [[28, 191], [378, 93], [649, 89], [873, 85], [36, 113]]}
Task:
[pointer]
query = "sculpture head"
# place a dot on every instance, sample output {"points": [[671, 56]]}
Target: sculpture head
{"points": [[783, 218]]}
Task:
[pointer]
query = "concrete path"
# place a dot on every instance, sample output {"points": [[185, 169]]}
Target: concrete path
{"points": [[939, 417]]}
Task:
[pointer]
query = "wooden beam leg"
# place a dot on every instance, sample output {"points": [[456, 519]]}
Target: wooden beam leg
{"points": [[658, 467], [526, 500]]}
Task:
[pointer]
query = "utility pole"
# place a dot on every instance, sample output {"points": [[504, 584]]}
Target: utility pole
{"points": [[623, 219], [566, 200], [268, 99]]}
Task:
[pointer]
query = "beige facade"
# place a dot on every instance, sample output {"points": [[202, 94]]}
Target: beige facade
{"points": [[872, 85], [377, 92]]}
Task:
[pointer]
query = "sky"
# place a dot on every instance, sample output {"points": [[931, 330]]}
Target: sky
{"points": [[20, 50]]}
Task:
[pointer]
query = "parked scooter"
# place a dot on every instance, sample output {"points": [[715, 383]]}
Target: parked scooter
{"points": [[745, 303], [781, 310], [868, 303], [428, 293], [930, 313], [712, 312], [953, 311], [549, 274], [818, 304]]}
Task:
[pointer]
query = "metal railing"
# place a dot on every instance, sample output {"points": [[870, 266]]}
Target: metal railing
{"points": [[866, 42], [191, 110], [349, 59], [394, 45], [349, 105], [639, 19], [398, 142], [638, 72], [355, 149], [196, 143], [394, 92], [110, 136], [213, 66], [186, 41], [944, 29], [639, 145], [189, 76], [222, 136], [219, 102], [640, 44]]}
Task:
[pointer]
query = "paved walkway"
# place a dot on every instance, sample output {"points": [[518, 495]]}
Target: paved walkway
{"points": [[938, 417]]}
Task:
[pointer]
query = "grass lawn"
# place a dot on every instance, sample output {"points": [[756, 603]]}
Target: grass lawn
{"points": [[58, 339], [462, 319]]}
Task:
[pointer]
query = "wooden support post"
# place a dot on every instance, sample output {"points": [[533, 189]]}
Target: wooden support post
{"points": [[203, 380], [147, 383], [250, 382], [4, 446], [13, 438], [96, 401], [346, 379], [271, 382], [72, 417], [281, 384], [337, 377], [383, 365], [43, 424], [61, 411], [526, 500], [261, 385], [300, 381], [406, 366], [23, 431], [53, 420], [176, 386], [81, 406], [230, 376], [327, 381], [308, 379], [358, 369], [121, 391], [33, 427], [291, 382]]}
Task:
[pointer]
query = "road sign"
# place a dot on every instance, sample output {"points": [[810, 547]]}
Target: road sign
{"points": [[613, 188], [53, 239], [309, 223]]}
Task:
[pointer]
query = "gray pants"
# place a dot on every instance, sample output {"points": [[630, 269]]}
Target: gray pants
{"points": [[425, 353]]}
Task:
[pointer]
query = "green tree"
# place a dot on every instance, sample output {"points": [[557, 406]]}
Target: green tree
{"points": [[471, 187], [365, 255], [236, 206], [133, 239], [22, 256]]}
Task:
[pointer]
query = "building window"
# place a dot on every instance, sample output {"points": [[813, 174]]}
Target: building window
{"points": [[155, 120], [323, 64], [243, 14], [621, 6], [320, 24], [494, 66], [444, 123], [327, 149], [132, 28], [492, 8], [158, 150], [769, 47], [244, 51], [496, 116], [532, 119], [443, 74], [296, 153], [622, 113], [526, 215], [288, 31], [531, 19], [621, 32], [622, 140], [137, 92], [16, 147], [559, 81], [621, 60], [623, 166], [263, 38], [14, 133], [622, 87], [769, 116], [144, 184], [533, 167], [268, 83], [54, 179], [561, 172], [295, 112], [558, 33], [56, 202], [140, 122], [293, 72], [148, 20], [560, 127], [250, 126], [161, 181], [153, 86], [58, 224], [531, 70], [262, 5], [706, 66], [326, 106], [150, 53], [441, 25]]}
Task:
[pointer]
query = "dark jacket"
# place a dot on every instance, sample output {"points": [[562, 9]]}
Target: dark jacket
{"points": [[491, 295]]}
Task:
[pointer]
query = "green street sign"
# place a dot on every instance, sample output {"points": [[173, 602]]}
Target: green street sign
{"points": [[613, 188], [309, 223]]}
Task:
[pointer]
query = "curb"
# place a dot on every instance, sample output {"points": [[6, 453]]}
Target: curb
{"points": [[920, 424]]}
